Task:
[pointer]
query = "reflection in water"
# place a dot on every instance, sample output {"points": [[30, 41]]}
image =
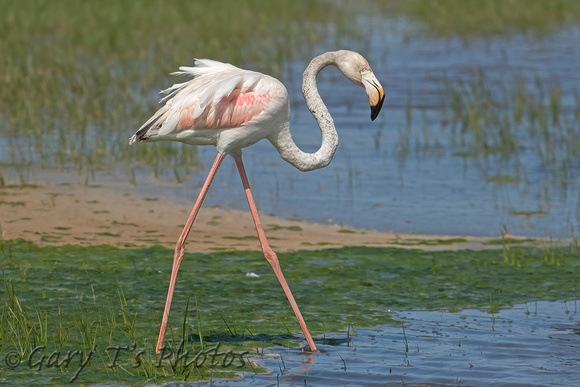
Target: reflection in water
{"points": [[302, 370]]}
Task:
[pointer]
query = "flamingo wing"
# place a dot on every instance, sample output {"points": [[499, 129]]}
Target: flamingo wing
{"points": [[219, 96]]}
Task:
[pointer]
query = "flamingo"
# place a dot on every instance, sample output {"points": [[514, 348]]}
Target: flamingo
{"points": [[232, 108]]}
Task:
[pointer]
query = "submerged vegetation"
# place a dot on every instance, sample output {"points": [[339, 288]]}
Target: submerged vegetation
{"points": [[486, 118], [74, 298]]}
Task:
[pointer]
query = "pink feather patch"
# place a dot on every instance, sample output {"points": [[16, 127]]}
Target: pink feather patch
{"points": [[230, 112]]}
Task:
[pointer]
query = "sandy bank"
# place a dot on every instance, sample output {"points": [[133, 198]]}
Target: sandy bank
{"points": [[92, 215]]}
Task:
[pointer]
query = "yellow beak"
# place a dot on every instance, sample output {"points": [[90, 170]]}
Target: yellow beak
{"points": [[374, 91]]}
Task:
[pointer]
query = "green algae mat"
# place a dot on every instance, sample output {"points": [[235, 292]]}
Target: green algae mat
{"points": [[92, 314]]}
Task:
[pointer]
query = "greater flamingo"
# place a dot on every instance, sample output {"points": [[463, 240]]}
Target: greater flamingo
{"points": [[233, 108]]}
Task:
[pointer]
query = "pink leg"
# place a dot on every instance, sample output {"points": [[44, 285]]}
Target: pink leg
{"points": [[271, 256], [180, 247]]}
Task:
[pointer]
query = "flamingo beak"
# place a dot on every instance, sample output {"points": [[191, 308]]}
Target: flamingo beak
{"points": [[374, 91]]}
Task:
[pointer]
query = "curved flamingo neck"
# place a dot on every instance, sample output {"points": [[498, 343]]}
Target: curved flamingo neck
{"points": [[289, 151]]}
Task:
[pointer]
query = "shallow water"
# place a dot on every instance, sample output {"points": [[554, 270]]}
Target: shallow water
{"points": [[533, 344]]}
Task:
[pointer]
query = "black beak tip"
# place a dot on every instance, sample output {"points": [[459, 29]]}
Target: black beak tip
{"points": [[376, 109]]}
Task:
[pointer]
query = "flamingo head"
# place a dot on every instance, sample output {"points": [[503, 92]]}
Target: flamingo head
{"points": [[356, 68]]}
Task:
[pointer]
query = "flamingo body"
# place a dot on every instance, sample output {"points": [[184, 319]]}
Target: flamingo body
{"points": [[222, 105]]}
